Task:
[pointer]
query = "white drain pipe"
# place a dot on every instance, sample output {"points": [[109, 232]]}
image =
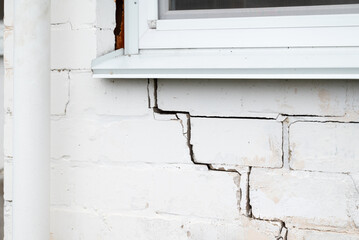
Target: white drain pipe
{"points": [[31, 169]]}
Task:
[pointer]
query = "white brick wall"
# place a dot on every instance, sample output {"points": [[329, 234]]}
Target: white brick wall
{"points": [[240, 142], [329, 147], [72, 49], [119, 141], [258, 98], [107, 96], [60, 92], [296, 234], [305, 199], [167, 190], [72, 224], [286, 159]]}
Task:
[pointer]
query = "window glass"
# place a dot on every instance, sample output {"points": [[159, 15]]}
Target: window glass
{"points": [[227, 4]]}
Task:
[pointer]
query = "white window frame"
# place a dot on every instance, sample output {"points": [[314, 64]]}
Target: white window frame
{"points": [[300, 46]]}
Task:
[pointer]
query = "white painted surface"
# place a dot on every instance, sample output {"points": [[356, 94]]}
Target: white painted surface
{"points": [[72, 49], [305, 199], [328, 147], [247, 38], [253, 98], [293, 33], [245, 142], [112, 154], [131, 26], [169, 190], [31, 177], [253, 63], [296, 234], [137, 227], [65, 11], [60, 92], [259, 22], [2, 122], [107, 96], [119, 141]]}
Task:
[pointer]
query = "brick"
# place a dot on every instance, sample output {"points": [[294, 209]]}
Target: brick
{"points": [[166, 190], [72, 49], [59, 92], [8, 13], [125, 141], [106, 14], [69, 223], [107, 96], [253, 97], [237, 141], [305, 199], [298, 234], [353, 100], [73, 224], [328, 147], [8, 48], [181, 228], [72, 11], [105, 42]]}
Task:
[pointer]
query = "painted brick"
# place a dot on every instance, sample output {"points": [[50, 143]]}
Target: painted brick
{"points": [[168, 190], [237, 141], [253, 97], [72, 49], [75, 224], [106, 14], [328, 147], [298, 234], [105, 42], [125, 141], [8, 48], [353, 100], [76, 12], [71, 224], [8, 13], [107, 96], [180, 228], [59, 92], [305, 199]]}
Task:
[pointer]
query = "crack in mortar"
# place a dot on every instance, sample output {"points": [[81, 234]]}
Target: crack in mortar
{"points": [[354, 183], [283, 232], [68, 91], [286, 153], [249, 206], [187, 131], [148, 93]]}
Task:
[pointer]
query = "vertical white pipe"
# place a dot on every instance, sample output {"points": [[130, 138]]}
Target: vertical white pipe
{"points": [[31, 171]]}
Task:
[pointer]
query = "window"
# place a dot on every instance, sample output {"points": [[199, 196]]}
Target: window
{"points": [[171, 9], [237, 39]]}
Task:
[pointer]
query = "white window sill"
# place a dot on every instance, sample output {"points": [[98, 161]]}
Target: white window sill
{"points": [[273, 63]]}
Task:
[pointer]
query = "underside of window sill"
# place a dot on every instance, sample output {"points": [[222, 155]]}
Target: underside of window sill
{"points": [[260, 63]]}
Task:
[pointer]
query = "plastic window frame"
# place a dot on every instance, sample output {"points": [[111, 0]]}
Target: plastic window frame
{"points": [[301, 46]]}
